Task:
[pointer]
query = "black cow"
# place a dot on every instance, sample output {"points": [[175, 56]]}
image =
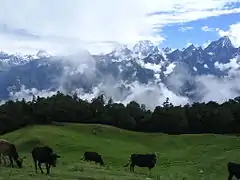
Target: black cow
{"points": [[93, 156], [142, 160], [44, 154], [233, 170]]}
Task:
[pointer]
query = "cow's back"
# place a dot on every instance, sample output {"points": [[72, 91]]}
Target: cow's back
{"points": [[41, 153], [5, 146], [92, 156], [144, 160]]}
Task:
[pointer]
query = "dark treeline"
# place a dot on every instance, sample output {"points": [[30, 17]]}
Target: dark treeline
{"points": [[208, 117]]}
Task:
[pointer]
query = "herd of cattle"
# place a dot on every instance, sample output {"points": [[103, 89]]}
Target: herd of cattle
{"points": [[45, 154]]}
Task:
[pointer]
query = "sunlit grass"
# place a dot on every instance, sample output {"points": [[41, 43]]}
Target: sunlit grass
{"points": [[191, 157]]}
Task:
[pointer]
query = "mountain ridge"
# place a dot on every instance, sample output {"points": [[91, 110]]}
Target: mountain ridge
{"points": [[144, 64]]}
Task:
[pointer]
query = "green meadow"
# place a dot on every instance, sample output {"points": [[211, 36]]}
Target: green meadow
{"points": [[189, 157]]}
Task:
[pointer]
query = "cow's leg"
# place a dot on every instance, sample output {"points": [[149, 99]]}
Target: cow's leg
{"points": [[230, 176], [11, 161], [47, 168], [1, 158], [132, 167], [150, 172], [35, 165], [4, 160], [39, 165]]}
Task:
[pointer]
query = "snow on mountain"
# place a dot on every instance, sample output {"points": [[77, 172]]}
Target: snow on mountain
{"points": [[144, 48], [13, 59], [144, 63]]}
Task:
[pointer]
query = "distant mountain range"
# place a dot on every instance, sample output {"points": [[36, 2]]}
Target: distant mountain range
{"points": [[144, 64]]}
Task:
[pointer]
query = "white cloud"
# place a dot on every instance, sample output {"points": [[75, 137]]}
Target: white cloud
{"points": [[220, 89], [151, 95], [19, 45], [27, 94], [183, 29], [65, 25], [191, 15], [154, 67], [208, 29], [2, 102], [232, 33], [232, 67]]}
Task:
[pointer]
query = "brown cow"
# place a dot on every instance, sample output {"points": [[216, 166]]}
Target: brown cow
{"points": [[9, 149]]}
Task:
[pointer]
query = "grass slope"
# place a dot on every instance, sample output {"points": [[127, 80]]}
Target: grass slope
{"points": [[192, 157]]}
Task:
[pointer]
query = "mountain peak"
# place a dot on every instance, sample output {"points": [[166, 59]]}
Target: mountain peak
{"points": [[143, 45], [225, 41], [121, 49], [222, 43], [191, 47], [144, 48], [167, 50], [42, 53]]}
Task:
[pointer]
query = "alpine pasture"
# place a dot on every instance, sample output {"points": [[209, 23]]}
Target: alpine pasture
{"points": [[179, 157]]}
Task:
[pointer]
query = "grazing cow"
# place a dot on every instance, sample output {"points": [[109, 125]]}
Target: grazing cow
{"points": [[44, 154], [93, 156], [9, 149], [233, 170], [142, 160]]}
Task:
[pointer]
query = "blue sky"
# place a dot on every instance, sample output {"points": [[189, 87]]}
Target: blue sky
{"points": [[179, 35], [65, 26]]}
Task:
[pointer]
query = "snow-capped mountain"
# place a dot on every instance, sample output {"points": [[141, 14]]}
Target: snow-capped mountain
{"points": [[144, 63]]}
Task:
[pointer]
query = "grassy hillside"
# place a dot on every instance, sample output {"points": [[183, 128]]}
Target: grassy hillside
{"points": [[191, 157]]}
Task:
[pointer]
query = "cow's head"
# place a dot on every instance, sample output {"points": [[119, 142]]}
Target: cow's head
{"points": [[19, 161], [53, 159]]}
